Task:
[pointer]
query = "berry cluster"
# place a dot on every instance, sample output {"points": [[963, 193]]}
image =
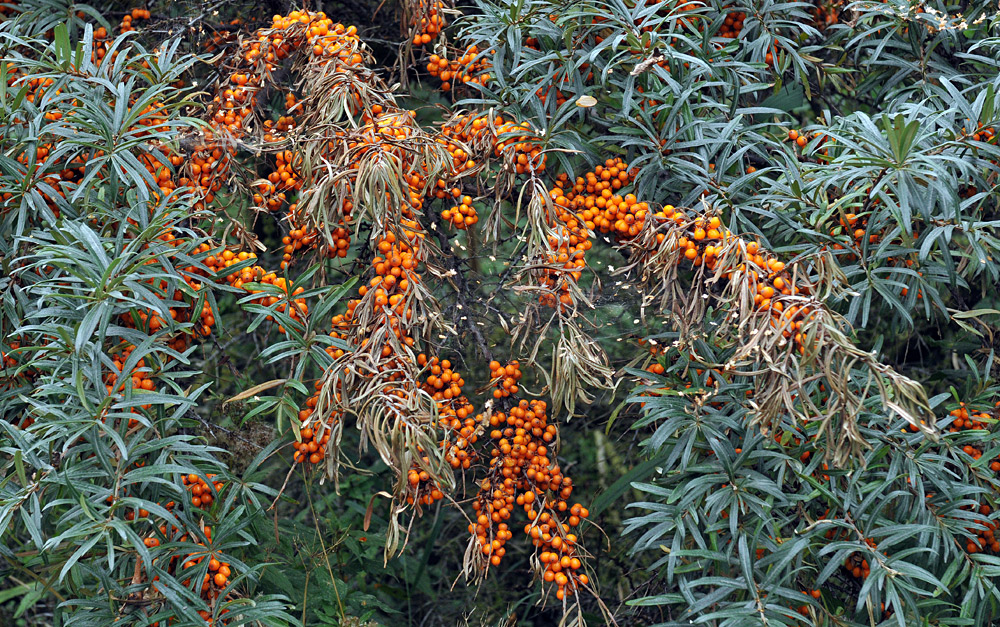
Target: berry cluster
{"points": [[815, 594], [826, 12], [326, 42], [461, 216], [820, 139], [201, 490], [467, 68], [857, 565], [428, 21], [314, 433], [505, 378], [459, 427], [588, 204], [218, 573], [522, 473], [732, 26], [185, 566], [984, 540], [136, 14]]}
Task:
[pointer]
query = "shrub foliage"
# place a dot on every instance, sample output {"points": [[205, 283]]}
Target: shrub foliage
{"points": [[500, 313]]}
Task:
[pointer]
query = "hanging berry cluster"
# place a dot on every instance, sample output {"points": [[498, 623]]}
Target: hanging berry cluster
{"points": [[458, 426], [505, 378], [135, 14], [522, 473], [428, 20], [589, 204], [472, 138], [332, 45], [467, 68], [312, 441]]}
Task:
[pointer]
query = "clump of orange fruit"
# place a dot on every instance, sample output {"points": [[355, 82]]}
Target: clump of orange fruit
{"points": [[133, 16], [461, 216], [311, 444], [522, 474], [428, 21], [506, 378], [466, 69], [202, 489]]}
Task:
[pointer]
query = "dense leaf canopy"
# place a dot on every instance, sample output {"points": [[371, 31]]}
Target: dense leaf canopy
{"points": [[500, 313]]}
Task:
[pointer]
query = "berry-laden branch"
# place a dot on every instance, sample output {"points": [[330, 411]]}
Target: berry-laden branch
{"points": [[777, 317]]}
